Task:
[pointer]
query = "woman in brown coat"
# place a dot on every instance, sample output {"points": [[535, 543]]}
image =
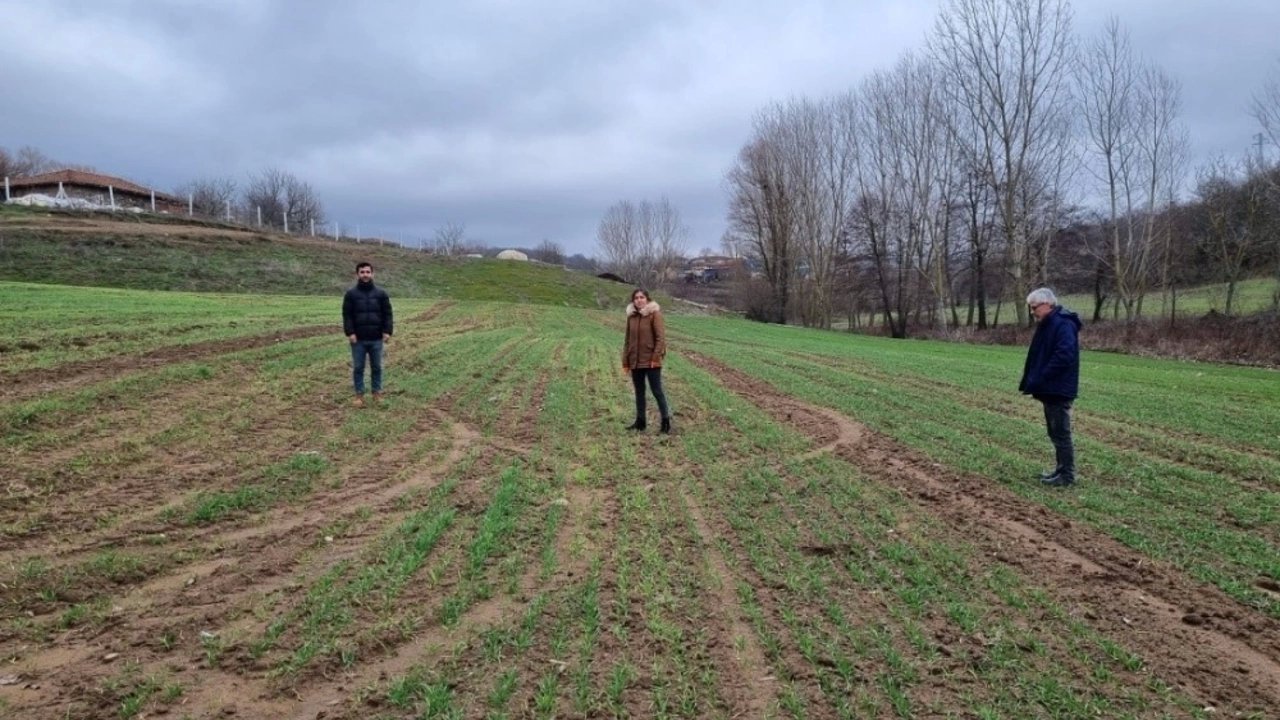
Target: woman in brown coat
{"points": [[642, 353]]}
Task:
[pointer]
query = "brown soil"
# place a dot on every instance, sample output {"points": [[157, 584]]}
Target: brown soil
{"points": [[1190, 634]]}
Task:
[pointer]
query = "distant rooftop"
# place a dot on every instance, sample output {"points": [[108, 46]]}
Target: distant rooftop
{"points": [[86, 178]]}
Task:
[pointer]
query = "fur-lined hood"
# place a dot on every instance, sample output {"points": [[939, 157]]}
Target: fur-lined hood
{"points": [[650, 308]]}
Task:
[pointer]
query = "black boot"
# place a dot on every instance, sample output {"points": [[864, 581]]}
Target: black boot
{"points": [[639, 424], [666, 426]]}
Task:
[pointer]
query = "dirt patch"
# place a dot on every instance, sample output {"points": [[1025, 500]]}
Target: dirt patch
{"points": [[1191, 635], [432, 312]]}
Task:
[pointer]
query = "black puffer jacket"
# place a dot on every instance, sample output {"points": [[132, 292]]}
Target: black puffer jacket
{"points": [[366, 312]]}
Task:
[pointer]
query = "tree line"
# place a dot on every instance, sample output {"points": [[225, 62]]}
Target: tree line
{"points": [[1007, 153], [284, 200]]}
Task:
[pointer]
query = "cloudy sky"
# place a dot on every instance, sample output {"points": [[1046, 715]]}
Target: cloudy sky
{"points": [[521, 120]]}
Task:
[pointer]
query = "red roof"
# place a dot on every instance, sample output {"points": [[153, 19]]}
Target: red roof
{"points": [[85, 178]]}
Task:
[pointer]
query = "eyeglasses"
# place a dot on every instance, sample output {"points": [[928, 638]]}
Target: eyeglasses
{"points": [[1035, 305]]}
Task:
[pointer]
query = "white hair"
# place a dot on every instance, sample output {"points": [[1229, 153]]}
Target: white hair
{"points": [[1042, 295]]}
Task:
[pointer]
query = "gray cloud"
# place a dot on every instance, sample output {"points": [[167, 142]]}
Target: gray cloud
{"points": [[522, 120]]}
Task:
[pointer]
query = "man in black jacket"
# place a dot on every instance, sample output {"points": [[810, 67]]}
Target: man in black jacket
{"points": [[1052, 376], [366, 320]]}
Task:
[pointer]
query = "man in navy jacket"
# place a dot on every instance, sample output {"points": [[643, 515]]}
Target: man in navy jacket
{"points": [[367, 323], [1052, 376]]}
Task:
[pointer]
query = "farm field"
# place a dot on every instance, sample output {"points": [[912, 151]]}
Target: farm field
{"points": [[1252, 295], [195, 522]]}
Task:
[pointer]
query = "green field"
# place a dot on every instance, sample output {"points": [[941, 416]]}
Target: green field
{"points": [[1252, 296], [840, 526]]}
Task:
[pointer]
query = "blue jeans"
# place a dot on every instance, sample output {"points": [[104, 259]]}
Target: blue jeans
{"points": [[373, 350], [1057, 420]]}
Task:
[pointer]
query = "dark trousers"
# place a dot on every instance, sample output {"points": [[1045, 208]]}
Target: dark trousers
{"points": [[654, 376], [1057, 420]]}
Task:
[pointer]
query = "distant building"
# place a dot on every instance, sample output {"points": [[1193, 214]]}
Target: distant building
{"points": [[714, 268], [97, 189]]}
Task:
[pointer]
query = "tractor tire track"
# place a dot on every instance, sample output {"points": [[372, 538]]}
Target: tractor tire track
{"points": [[87, 372]]}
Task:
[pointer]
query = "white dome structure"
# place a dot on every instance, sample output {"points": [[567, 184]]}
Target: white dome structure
{"points": [[513, 255]]}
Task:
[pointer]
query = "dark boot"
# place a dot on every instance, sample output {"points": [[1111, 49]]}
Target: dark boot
{"points": [[666, 426], [639, 424], [1062, 479]]}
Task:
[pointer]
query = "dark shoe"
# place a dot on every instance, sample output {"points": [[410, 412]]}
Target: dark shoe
{"points": [[1049, 473], [637, 425], [1059, 480], [666, 426]]}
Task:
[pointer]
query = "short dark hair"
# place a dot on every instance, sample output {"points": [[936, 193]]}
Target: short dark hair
{"points": [[363, 264], [640, 290]]}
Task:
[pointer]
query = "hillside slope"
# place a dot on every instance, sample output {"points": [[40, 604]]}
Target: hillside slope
{"points": [[165, 253]]}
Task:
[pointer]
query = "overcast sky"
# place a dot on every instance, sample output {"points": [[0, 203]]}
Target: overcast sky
{"points": [[522, 120]]}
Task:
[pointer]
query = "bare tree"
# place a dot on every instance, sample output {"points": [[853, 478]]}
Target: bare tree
{"points": [[670, 237], [1234, 199], [643, 243], [210, 197], [618, 237], [27, 161], [1108, 78], [1006, 63], [265, 194], [1265, 106], [1130, 112], [896, 213], [549, 252], [284, 199], [302, 204], [1162, 156], [450, 239], [762, 210], [821, 162]]}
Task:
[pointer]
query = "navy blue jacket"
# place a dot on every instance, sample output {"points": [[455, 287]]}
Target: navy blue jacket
{"points": [[1052, 370], [366, 312]]}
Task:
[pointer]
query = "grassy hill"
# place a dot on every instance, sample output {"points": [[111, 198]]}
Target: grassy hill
{"points": [[164, 253]]}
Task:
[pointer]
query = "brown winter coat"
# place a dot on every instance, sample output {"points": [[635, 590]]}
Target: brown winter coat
{"points": [[646, 341]]}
